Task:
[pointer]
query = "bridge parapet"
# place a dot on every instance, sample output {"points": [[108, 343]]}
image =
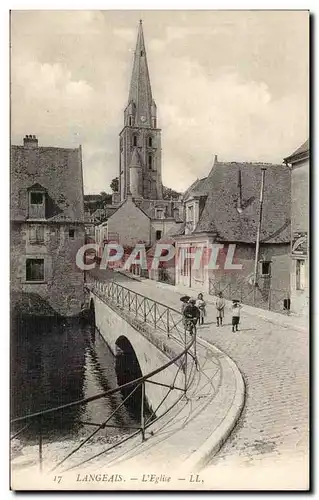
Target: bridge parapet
{"points": [[155, 332]]}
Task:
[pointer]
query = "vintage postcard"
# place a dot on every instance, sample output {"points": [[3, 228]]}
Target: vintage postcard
{"points": [[159, 217]]}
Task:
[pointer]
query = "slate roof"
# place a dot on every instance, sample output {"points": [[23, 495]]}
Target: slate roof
{"points": [[102, 214], [149, 207], [220, 214], [58, 171], [304, 148], [198, 188]]}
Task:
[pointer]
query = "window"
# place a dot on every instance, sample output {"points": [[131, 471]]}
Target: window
{"points": [[36, 198], [150, 142], [134, 140], [300, 274], [158, 235], [141, 53], [190, 213], [159, 213], [36, 235], [35, 270], [130, 121], [154, 122], [71, 233], [150, 161], [265, 268]]}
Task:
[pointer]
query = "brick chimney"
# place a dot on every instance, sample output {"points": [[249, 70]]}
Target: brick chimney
{"points": [[30, 141]]}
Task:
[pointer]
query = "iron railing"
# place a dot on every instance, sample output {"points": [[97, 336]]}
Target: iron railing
{"points": [[158, 315], [161, 317], [262, 295]]}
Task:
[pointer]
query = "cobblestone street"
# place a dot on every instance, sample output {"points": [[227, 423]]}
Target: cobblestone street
{"points": [[274, 363]]}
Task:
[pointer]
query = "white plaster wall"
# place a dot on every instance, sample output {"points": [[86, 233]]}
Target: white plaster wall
{"points": [[112, 326]]}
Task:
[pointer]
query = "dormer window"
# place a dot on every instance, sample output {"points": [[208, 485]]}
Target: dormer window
{"points": [[159, 213], [192, 215], [37, 201]]}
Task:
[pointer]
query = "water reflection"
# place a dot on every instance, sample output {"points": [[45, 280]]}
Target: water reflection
{"points": [[56, 363]]}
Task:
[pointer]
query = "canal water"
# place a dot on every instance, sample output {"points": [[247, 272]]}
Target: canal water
{"points": [[54, 364]]}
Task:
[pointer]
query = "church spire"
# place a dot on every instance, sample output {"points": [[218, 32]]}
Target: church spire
{"points": [[140, 95]]}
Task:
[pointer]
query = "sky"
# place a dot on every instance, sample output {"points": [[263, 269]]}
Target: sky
{"points": [[227, 83]]}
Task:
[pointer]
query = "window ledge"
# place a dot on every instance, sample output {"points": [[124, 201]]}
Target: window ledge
{"points": [[33, 282], [37, 219]]}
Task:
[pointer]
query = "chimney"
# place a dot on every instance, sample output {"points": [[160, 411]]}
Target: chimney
{"points": [[30, 141]]}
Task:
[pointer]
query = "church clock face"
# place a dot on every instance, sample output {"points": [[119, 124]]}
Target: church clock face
{"points": [[143, 118]]}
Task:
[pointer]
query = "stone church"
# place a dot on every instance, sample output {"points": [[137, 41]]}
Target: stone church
{"points": [[140, 138], [138, 211]]}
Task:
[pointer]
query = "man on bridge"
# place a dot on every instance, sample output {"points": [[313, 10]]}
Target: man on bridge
{"points": [[191, 316]]}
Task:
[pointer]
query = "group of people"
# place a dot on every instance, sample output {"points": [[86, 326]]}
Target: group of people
{"points": [[194, 311]]}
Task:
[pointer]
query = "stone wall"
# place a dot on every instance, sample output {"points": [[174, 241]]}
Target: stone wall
{"points": [[62, 289]]}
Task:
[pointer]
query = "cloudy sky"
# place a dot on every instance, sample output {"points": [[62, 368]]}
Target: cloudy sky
{"points": [[231, 83]]}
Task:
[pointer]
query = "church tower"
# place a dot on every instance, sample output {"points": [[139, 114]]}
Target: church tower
{"points": [[140, 139]]}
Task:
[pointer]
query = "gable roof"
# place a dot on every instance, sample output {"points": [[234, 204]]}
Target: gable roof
{"points": [[58, 171], [137, 205], [221, 216], [301, 151], [198, 188]]}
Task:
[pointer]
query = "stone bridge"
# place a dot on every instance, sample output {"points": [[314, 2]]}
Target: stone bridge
{"points": [[199, 381], [143, 341]]}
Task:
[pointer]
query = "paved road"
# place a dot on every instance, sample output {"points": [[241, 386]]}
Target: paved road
{"points": [[274, 364]]}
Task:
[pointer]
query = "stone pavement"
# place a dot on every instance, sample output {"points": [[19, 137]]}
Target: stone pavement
{"points": [[274, 361]]}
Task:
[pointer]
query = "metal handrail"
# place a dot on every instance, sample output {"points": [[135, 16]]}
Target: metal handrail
{"points": [[168, 327], [135, 384], [106, 393]]}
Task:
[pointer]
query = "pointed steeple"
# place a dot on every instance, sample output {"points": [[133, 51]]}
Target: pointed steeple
{"points": [[140, 94]]}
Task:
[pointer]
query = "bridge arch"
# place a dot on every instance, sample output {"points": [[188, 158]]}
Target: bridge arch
{"points": [[120, 335], [127, 368]]}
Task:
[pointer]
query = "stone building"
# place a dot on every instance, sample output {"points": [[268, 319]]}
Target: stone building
{"points": [[140, 170], [135, 221], [223, 208], [299, 164], [47, 228]]}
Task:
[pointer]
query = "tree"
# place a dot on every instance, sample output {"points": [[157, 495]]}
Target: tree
{"points": [[169, 193], [115, 185]]}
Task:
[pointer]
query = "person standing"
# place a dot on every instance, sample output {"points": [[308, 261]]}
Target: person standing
{"points": [[190, 316], [236, 307], [201, 304], [220, 308]]}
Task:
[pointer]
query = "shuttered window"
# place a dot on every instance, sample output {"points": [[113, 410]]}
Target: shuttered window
{"points": [[36, 234]]}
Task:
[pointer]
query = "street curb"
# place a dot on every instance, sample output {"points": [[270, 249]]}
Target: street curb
{"points": [[129, 275], [199, 458]]}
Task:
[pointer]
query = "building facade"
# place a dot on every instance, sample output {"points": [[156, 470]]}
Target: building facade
{"points": [[47, 228], [223, 209], [299, 164]]}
